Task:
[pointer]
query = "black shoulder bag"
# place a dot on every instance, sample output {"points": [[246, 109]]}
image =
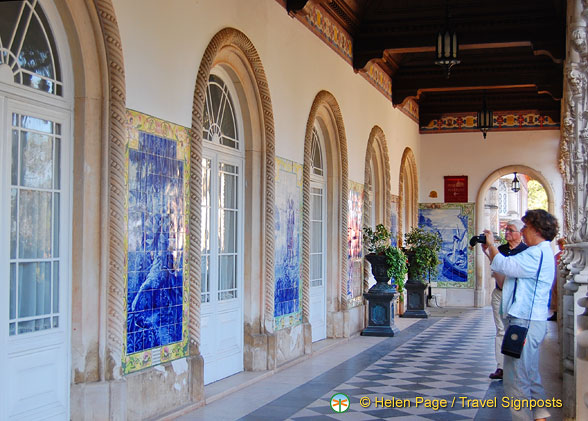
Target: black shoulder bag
{"points": [[515, 336]]}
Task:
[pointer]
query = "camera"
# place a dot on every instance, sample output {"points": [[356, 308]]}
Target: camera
{"points": [[478, 239]]}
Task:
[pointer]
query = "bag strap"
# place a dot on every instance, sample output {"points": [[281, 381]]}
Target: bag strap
{"points": [[536, 283], [534, 292]]}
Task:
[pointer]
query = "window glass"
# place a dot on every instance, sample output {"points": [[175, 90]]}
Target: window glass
{"points": [[205, 231], [317, 160], [219, 120], [27, 46], [35, 211], [502, 198]]}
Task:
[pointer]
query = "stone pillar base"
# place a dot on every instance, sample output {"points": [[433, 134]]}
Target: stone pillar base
{"points": [[257, 351], [381, 315], [99, 401], [415, 292]]}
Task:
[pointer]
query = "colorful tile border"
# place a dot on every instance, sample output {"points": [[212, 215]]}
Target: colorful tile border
{"points": [[411, 109], [379, 78], [502, 122], [330, 32], [135, 123], [466, 209], [340, 41]]}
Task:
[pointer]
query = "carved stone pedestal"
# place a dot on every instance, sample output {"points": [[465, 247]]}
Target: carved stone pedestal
{"points": [[415, 292], [381, 314]]}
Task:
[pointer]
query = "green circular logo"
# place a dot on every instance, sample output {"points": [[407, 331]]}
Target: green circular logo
{"points": [[340, 402]]}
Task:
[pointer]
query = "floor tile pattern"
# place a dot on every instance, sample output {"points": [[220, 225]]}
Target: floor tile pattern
{"points": [[433, 359], [449, 359]]}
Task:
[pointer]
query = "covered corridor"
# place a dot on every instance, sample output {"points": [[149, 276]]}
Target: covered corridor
{"points": [[184, 185], [446, 356]]}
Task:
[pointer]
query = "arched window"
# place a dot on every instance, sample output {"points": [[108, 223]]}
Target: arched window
{"points": [[219, 115], [27, 46], [408, 191], [317, 157], [35, 190], [502, 198], [317, 239]]}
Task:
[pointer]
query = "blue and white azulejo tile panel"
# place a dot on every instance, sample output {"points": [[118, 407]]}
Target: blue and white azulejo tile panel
{"points": [[288, 246], [455, 223], [157, 281]]}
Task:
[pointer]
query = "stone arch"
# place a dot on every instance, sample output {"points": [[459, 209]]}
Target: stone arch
{"points": [[325, 110], [232, 50], [115, 93], [377, 149], [479, 300], [98, 169], [408, 192]]}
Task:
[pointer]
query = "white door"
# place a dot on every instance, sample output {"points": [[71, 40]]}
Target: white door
{"points": [[222, 272], [318, 308], [221, 342], [34, 262]]}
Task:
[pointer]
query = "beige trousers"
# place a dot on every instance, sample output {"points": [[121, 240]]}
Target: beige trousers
{"points": [[499, 322]]}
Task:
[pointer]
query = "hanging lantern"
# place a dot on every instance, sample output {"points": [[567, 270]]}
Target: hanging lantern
{"points": [[447, 50], [516, 185], [485, 118]]}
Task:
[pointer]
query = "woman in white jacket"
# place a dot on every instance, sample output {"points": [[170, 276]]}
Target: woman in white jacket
{"points": [[524, 303]]}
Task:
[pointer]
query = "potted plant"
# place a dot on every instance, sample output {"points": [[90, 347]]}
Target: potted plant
{"points": [[422, 249], [400, 290], [386, 260]]}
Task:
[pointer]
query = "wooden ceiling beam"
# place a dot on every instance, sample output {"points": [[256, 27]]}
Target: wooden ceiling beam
{"points": [[366, 48]]}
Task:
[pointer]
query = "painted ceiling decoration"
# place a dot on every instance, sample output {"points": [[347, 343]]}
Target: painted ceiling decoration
{"points": [[511, 52]]}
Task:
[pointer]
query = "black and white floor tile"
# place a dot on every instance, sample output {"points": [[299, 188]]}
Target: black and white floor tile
{"points": [[436, 358]]}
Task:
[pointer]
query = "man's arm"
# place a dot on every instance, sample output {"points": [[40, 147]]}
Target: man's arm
{"points": [[499, 277], [492, 250]]}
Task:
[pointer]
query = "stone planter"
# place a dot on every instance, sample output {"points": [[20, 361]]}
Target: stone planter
{"points": [[381, 300], [415, 292]]}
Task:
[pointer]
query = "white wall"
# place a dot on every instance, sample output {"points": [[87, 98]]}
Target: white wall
{"points": [[469, 154], [163, 47]]}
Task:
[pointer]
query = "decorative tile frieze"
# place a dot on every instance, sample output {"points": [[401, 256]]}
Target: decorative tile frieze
{"points": [[502, 122], [330, 32], [411, 109], [379, 78]]}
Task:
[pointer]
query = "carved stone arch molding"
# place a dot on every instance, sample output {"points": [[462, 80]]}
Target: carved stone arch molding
{"points": [[408, 169], [116, 185], [479, 300], [240, 43], [325, 101], [376, 147]]}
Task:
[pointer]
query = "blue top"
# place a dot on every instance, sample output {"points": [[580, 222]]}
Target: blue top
{"points": [[523, 266]]}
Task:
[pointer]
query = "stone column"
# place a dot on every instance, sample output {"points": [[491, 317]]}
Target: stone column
{"points": [[573, 161]]}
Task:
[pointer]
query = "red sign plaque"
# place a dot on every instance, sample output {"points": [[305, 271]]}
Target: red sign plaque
{"points": [[456, 188]]}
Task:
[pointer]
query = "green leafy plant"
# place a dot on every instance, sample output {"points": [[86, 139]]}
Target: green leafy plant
{"points": [[422, 248], [396, 258], [379, 241]]}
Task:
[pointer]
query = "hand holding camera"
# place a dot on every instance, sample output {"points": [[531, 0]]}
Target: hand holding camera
{"points": [[486, 238]]}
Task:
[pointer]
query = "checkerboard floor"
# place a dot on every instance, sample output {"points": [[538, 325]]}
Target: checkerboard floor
{"points": [[447, 356], [450, 359]]}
